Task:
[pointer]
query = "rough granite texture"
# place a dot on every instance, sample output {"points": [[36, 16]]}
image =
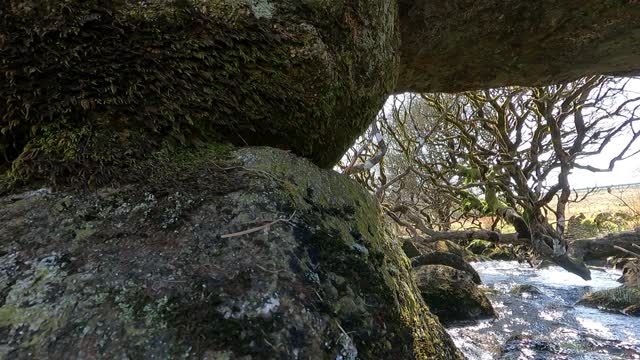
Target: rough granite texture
{"points": [[163, 269], [89, 86], [457, 45]]}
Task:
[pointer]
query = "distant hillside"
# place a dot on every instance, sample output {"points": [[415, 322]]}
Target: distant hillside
{"points": [[616, 198]]}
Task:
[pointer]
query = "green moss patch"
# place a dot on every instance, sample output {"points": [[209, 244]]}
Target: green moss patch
{"points": [[91, 88], [616, 299]]}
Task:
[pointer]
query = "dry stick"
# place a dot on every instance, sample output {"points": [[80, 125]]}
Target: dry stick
{"points": [[341, 328], [228, 168], [267, 270], [318, 295], [636, 246], [626, 251], [258, 228]]}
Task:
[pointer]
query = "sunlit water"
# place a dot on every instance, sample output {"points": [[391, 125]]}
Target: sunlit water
{"points": [[558, 329]]}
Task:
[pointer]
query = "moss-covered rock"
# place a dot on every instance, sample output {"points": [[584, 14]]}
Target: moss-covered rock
{"points": [[527, 290], [479, 247], [502, 252], [451, 294], [253, 254], [90, 87], [581, 227], [617, 299]]}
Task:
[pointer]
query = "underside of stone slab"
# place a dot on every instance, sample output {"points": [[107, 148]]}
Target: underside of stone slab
{"points": [[92, 86], [465, 44], [255, 255]]}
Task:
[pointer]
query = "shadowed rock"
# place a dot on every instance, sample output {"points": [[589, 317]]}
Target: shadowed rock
{"points": [[462, 44], [92, 87], [451, 294]]}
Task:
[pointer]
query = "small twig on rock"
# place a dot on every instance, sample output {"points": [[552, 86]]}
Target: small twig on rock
{"points": [[267, 270], [318, 295], [341, 328], [258, 228], [228, 168]]}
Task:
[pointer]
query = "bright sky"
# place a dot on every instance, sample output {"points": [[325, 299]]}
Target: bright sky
{"points": [[625, 171]]}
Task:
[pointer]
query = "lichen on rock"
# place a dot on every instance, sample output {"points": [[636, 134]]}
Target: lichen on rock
{"points": [[172, 269]]}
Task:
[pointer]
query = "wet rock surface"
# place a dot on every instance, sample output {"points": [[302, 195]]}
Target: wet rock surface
{"points": [[523, 347], [547, 326], [262, 256]]}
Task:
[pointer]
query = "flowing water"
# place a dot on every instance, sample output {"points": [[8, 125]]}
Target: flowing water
{"points": [[546, 325]]}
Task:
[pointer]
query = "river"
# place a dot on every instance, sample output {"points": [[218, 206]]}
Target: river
{"points": [[546, 325]]}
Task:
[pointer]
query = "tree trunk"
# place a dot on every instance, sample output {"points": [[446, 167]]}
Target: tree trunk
{"points": [[546, 242], [601, 248]]}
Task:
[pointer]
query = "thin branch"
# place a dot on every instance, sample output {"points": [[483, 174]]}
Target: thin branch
{"points": [[626, 251], [258, 228]]}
